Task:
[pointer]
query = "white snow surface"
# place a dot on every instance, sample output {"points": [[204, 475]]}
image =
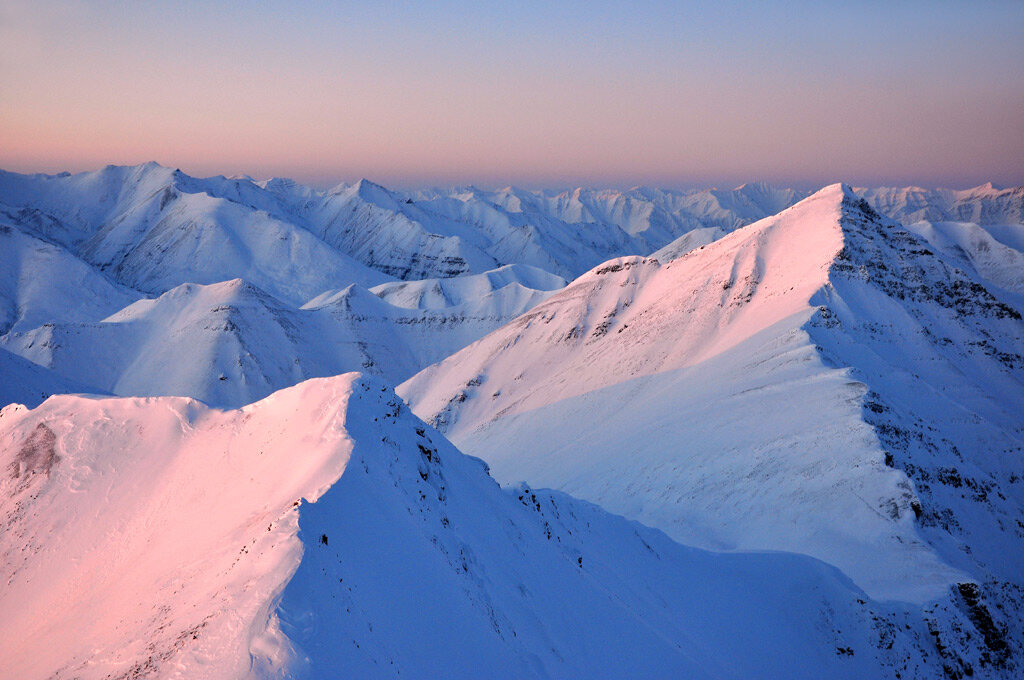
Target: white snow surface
{"points": [[325, 531], [746, 370], [696, 397], [24, 382], [42, 282], [698, 238], [455, 291], [230, 343], [985, 204], [980, 249], [152, 228]]}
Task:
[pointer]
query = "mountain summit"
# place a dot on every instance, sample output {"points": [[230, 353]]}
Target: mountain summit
{"points": [[785, 387]]}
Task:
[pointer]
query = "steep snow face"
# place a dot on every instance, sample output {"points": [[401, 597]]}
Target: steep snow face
{"points": [[943, 358], [229, 344], [694, 397], [326, 531], [983, 205], [632, 317], [152, 228], [43, 283], [144, 536], [27, 383], [689, 241], [383, 231], [442, 293], [985, 251]]}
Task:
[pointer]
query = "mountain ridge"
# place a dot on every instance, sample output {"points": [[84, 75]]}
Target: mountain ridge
{"points": [[751, 321], [429, 233], [167, 566]]}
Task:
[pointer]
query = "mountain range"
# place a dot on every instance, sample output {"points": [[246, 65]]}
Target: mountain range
{"points": [[735, 434]]}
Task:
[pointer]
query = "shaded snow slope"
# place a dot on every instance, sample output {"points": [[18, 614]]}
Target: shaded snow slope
{"points": [[24, 382], [981, 249], [153, 228], [985, 204], [230, 343], [442, 293], [689, 241], [158, 537], [696, 397], [43, 283], [943, 358]]}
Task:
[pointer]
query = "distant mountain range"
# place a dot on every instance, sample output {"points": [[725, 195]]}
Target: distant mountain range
{"points": [[740, 434], [151, 227]]}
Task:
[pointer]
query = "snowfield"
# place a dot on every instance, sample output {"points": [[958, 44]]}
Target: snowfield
{"points": [[738, 433], [231, 343], [819, 382], [326, 530]]}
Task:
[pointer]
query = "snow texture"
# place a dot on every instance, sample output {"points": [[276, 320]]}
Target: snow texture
{"points": [[325, 530], [805, 416]]}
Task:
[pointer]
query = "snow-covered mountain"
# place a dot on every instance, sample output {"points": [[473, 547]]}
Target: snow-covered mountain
{"points": [[819, 382], [995, 254], [749, 371], [23, 382], [985, 204], [152, 228], [42, 283], [512, 281], [231, 343], [325, 531]]}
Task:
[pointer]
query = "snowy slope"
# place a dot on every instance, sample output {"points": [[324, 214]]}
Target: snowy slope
{"points": [[442, 293], [157, 537], [24, 382], [41, 282], [689, 241], [573, 231], [943, 358], [985, 204], [697, 398], [978, 249], [230, 343], [383, 231], [152, 228], [122, 218]]}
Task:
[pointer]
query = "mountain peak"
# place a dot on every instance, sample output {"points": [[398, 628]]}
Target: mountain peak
{"points": [[986, 188], [841, 189]]}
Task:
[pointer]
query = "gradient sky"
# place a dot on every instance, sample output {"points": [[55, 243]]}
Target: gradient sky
{"points": [[533, 93]]}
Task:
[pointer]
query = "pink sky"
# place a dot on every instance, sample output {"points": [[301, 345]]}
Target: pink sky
{"points": [[547, 99]]}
